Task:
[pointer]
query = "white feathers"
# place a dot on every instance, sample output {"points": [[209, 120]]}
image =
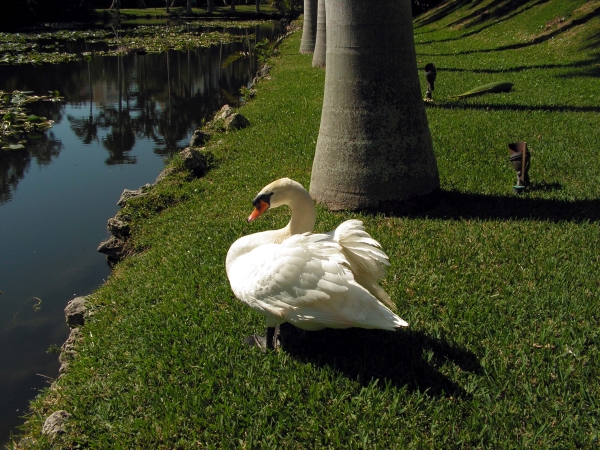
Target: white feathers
{"points": [[313, 281]]}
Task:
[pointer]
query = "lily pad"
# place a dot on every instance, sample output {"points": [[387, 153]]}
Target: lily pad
{"points": [[13, 147]]}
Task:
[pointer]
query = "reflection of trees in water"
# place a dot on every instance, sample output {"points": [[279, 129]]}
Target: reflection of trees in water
{"points": [[15, 164], [160, 97]]}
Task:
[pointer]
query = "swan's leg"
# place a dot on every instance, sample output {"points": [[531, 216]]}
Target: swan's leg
{"points": [[270, 337], [268, 342]]}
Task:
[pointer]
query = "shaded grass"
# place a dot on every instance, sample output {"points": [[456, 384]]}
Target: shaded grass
{"points": [[181, 11], [501, 291]]}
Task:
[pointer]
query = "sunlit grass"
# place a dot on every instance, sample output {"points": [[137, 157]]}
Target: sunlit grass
{"points": [[500, 290]]}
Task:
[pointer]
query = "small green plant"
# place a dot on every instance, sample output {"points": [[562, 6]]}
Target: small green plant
{"points": [[264, 50], [53, 349]]}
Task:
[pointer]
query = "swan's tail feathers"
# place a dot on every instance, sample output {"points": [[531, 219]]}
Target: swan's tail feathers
{"points": [[366, 259]]}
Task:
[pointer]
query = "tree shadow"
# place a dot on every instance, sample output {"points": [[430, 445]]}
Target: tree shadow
{"points": [[538, 40], [390, 358], [461, 104], [444, 11], [496, 11], [497, 20], [454, 205], [590, 65]]}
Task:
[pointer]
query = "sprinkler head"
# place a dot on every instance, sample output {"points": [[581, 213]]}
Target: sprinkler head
{"points": [[519, 157]]}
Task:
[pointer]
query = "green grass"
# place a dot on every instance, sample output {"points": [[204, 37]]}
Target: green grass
{"points": [[500, 290], [181, 11]]}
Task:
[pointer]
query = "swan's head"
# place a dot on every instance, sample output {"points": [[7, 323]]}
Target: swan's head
{"points": [[277, 193]]}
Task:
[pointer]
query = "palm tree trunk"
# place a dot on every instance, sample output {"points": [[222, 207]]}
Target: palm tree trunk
{"points": [[309, 28], [320, 40], [374, 149]]}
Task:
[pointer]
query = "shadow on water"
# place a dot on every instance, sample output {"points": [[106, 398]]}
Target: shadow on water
{"points": [[402, 358]]}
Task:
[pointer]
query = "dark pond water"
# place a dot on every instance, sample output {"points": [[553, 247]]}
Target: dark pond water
{"points": [[123, 115]]}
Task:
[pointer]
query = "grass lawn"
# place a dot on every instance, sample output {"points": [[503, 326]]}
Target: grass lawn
{"points": [[501, 290], [218, 10]]}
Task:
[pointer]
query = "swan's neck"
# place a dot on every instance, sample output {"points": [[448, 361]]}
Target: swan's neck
{"points": [[303, 213]]}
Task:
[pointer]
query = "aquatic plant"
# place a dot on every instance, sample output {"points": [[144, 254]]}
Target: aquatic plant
{"points": [[16, 123], [38, 48]]}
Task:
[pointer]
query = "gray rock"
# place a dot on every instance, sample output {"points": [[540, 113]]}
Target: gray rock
{"points": [[75, 311], [199, 138], [263, 72], [55, 423], [224, 112], [67, 353], [193, 161], [112, 248], [129, 194], [235, 122], [163, 174], [117, 227]]}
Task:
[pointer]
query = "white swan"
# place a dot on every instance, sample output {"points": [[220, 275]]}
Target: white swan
{"points": [[312, 281]]}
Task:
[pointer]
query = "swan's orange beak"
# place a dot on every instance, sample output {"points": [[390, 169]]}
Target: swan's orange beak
{"points": [[260, 208]]}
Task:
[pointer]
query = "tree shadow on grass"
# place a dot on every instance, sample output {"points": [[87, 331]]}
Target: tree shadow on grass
{"points": [[467, 104], [586, 66], [454, 205], [537, 40], [390, 358], [496, 21]]}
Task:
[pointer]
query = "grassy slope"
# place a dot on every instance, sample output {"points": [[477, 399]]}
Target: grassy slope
{"points": [[501, 291]]}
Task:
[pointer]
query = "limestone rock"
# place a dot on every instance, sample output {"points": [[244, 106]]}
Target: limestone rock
{"points": [[193, 161], [128, 194], [75, 311], [199, 138], [112, 248], [55, 423], [263, 72], [67, 353], [118, 227], [236, 121], [164, 173], [224, 112]]}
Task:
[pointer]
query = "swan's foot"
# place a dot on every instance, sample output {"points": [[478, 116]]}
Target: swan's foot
{"points": [[268, 342]]}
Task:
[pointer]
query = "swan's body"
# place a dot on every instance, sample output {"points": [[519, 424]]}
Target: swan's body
{"points": [[312, 281]]}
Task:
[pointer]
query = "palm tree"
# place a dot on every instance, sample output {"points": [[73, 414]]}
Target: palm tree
{"points": [[374, 149], [309, 28], [320, 39]]}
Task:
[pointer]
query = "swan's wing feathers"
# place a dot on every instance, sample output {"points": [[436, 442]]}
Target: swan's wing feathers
{"points": [[364, 257], [277, 279]]}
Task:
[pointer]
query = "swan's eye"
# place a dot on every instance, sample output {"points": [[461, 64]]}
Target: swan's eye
{"points": [[264, 198]]}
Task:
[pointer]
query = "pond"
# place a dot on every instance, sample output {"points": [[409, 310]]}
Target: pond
{"points": [[121, 117]]}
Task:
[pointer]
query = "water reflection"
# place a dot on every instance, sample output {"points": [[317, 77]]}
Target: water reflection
{"points": [[121, 116], [162, 97]]}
